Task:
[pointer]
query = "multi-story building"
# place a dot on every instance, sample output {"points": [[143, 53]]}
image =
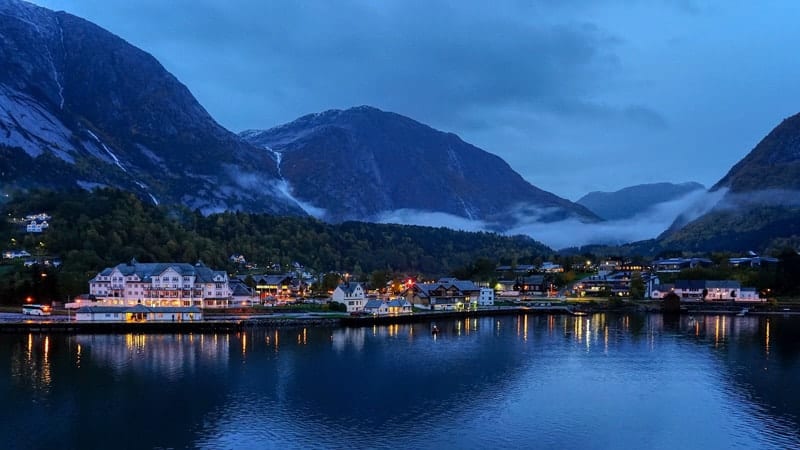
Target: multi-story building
{"points": [[161, 284]]}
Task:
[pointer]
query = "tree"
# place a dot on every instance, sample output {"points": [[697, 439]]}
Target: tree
{"points": [[671, 303], [637, 286]]}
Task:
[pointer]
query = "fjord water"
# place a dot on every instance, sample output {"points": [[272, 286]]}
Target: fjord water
{"points": [[527, 381]]}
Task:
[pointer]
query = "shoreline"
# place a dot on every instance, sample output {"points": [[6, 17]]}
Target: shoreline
{"points": [[239, 323]]}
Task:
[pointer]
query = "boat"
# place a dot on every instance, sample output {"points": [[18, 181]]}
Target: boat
{"points": [[742, 312], [435, 330]]}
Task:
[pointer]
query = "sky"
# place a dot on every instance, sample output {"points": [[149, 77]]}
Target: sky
{"points": [[576, 95]]}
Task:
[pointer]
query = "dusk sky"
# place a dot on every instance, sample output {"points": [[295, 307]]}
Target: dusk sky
{"points": [[577, 95]]}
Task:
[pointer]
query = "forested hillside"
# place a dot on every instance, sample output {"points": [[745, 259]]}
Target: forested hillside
{"points": [[93, 230]]}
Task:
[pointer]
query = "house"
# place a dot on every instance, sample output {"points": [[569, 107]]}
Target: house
{"points": [[752, 261], [749, 294], [445, 294], [519, 269], [37, 226], [376, 307], [606, 283], [242, 295], [278, 286], [532, 286], [660, 291], [486, 297], [161, 285], [14, 254], [707, 290], [399, 306], [350, 294], [550, 267], [237, 258], [138, 313]]}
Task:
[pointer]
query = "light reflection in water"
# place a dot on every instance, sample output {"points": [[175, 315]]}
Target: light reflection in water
{"points": [[525, 327], [289, 379]]}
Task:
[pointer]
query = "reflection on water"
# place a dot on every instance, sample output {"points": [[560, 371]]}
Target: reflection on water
{"points": [[600, 381]]}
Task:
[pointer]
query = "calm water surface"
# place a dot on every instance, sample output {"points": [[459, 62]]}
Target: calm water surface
{"points": [[605, 381]]}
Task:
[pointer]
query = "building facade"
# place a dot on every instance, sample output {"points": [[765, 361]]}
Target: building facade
{"points": [[160, 285], [351, 295]]}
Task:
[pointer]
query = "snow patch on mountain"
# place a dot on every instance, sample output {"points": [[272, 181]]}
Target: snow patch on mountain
{"points": [[26, 124]]}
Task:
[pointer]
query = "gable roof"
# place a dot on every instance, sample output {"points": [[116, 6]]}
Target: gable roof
{"points": [[349, 287]]}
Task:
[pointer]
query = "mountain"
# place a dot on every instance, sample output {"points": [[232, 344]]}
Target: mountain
{"points": [[773, 164], [759, 204], [630, 201], [366, 164], [80, 106]]}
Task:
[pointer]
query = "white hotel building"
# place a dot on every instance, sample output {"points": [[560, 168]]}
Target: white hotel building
{"points": [[161, 284]]}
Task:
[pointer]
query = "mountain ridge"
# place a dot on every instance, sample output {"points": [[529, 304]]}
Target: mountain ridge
{"points": [[399, 163]]}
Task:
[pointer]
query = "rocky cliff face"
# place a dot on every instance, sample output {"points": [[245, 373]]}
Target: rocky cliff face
{"points": [[363, 163], [81, 107]]}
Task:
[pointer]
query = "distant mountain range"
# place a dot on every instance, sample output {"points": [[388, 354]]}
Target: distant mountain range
{"points": [[364, 163], [631, 201]]}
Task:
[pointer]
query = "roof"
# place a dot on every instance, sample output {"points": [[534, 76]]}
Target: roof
{"points": [[534, 279], [398, 302], [349, 287], [145, 271], [698, 285], [271, 280], [374, 303], [461, 285], [240, 289]]}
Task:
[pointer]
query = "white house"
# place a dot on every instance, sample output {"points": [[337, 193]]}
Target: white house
{"points": [[37, 226], [350, 294], [14, 254], [161, 284], [748, 294], [138, 313], [486, 297]]}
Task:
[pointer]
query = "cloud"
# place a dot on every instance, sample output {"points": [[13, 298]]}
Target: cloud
{"points": [[431, 219], [572, 232]]}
